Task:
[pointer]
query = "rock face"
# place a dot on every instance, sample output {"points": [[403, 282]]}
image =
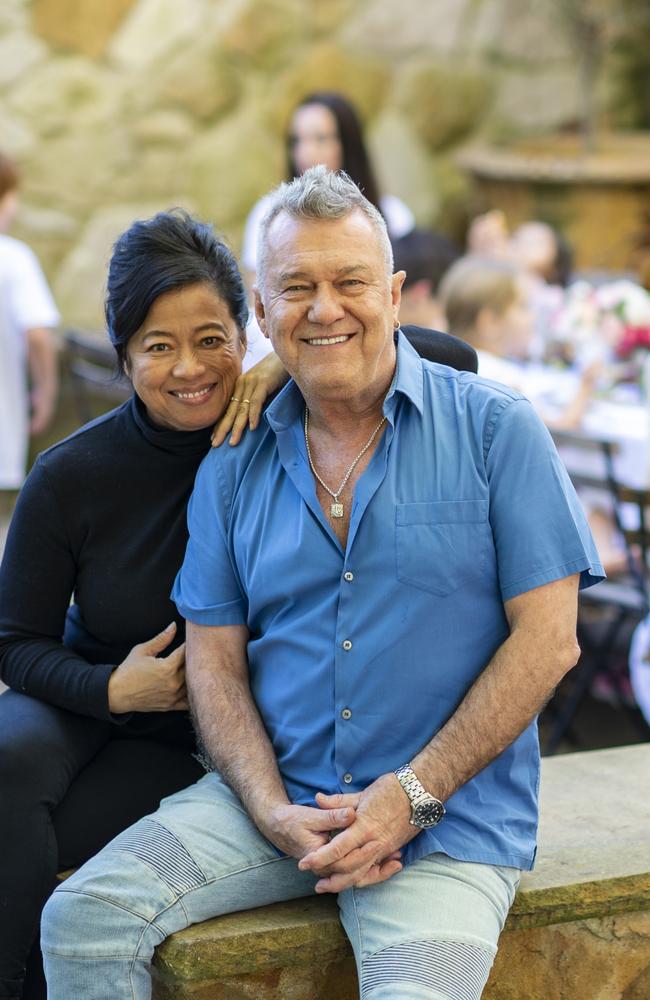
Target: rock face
{"points": [[111, 105]]}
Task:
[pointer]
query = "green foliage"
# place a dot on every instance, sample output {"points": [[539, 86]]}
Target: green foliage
{"points": [[630, 68]]}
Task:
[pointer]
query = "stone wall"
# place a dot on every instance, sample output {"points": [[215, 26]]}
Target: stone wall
{"points": [[116, 109]]}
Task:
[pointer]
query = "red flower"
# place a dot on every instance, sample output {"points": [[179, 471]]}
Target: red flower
{"points": [[634, 338]]}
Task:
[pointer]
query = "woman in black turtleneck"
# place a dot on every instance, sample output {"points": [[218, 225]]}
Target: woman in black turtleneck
{"points": [[94, 729]]}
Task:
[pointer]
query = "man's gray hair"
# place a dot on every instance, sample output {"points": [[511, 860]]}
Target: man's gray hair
{"points": [[319, 193]]}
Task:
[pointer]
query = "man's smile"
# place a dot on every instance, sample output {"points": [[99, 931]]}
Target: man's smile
{"points": [[328, 341]]}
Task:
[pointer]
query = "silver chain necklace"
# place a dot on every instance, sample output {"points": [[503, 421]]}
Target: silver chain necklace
{"points": [[336, 508]]}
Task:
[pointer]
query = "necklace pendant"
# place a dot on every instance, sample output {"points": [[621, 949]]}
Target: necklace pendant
{"points": [[336, 509]]}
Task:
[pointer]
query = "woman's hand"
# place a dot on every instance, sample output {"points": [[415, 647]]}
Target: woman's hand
{"points": [[251, 391], [147, 682]]}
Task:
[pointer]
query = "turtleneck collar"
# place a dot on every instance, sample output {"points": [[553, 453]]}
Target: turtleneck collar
{"points": [[171, 441]]}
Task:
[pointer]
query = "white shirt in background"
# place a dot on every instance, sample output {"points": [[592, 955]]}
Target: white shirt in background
{"points": [[25, 304]]}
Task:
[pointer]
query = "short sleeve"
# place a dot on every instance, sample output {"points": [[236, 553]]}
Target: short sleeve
{"points": [[539, 527], [207, 589], [32, 304]]}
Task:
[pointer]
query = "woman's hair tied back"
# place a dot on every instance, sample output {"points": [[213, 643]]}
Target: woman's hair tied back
{"points": [[162, 254]]}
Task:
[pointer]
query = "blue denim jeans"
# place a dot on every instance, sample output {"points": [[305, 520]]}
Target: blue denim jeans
{"points": [[430, 932]]}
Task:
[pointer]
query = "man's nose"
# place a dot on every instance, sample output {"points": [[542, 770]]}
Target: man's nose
{"points": [[326, 306]]}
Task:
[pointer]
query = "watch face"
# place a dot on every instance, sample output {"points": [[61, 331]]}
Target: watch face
{"points": [[428, 813]]}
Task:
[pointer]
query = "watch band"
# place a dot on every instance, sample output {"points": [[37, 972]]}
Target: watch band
{"points": [[411, 784]]}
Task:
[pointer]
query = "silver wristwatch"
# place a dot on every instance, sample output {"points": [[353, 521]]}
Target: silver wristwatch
{"points": [[426, 809]]}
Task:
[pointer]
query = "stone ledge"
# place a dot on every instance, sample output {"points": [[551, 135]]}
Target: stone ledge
{"points": [[593, 864], [305, 931]]}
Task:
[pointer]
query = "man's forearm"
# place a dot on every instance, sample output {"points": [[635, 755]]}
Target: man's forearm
{"points": [[504, 699], [230, 726]]}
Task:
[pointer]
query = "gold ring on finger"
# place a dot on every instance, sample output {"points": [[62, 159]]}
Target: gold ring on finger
{"points": [[246, 401], [233, 399]]}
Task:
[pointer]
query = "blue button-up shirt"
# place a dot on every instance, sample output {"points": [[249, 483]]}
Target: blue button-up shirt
{"points": [[358, 656]]}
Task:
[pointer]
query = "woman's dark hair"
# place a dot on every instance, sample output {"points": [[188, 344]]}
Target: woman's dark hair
{"points": [[355, 157], [562, 269], [161, 254]]}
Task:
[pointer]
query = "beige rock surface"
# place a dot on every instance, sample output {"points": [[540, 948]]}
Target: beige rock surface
{"points": [[408, 26], [444, 104], [112, 103], [229, 167], [59, 90], [83, 26], [19, 52], [152, 30], [403, 164], [80, 283]]}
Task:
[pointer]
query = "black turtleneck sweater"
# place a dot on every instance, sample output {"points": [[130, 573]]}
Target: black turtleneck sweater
{"points": [[101, 520]]}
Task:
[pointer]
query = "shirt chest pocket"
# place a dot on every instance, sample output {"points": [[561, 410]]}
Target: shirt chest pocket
{"points": [[441, 545]]}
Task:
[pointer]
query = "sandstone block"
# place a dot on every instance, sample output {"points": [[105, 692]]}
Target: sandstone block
{"points": [[154, 29], [328, 15], [18, 138], [79, 283], [199, 80], [14, 15], [362, 79], [80, 170], [65, 91], [542, 99], [408, 27], [18, 53], [163, 128], [403, 164], [267, 32], [530, 33], [443, 103], [84, 26], [230, 166]]}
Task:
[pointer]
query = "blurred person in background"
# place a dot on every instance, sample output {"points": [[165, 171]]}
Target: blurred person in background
{"points": [[535, 246], [425, 256], [325, 128], [28, 350], [544, 259], [486, 304]]}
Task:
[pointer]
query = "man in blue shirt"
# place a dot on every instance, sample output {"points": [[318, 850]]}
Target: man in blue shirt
{"points": [[381, 588]]}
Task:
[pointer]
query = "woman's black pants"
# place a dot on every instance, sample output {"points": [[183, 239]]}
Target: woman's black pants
{"points": [[68, 785]]}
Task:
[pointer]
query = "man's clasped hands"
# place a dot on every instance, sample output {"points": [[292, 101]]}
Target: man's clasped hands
{"points": [[351, 839]]}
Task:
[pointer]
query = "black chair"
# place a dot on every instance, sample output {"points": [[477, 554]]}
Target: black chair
{"points": [[443, 348], [92, 372], [625, 597]]}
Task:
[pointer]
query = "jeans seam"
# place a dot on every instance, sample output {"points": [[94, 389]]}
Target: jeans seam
{"points": [[360, 933], [118, 906], [152, 921]]}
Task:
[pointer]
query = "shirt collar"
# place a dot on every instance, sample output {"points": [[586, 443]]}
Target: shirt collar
{"points": [[288, 406]]}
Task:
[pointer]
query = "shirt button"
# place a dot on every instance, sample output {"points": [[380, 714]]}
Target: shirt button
{"points": [[348, 576], [347, 645], [346, 713], [347, 778]]}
